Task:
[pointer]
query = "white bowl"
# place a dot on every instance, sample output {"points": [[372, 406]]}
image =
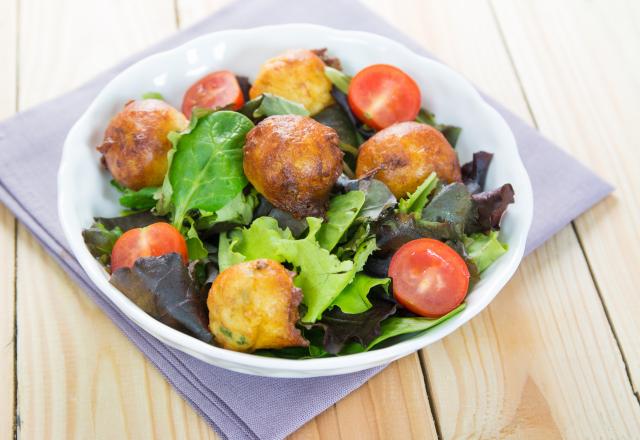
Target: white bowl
{"points": [[84, 190]]}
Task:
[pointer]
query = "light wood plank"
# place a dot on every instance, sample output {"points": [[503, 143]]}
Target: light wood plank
{"points": [[541, 361], [391, 405], [8, 33], [192, 11], [79, 376], [594, 47], [7, 321]]}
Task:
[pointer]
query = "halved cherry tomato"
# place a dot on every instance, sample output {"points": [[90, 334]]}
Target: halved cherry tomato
{"points": [[152, 241], [429, 278], [216, 90], [381, 95]]}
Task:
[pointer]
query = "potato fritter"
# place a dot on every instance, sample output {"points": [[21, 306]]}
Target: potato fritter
{"points": [[293, 161], [297, 75], [254, 305], [135, 143], [405, 154]]}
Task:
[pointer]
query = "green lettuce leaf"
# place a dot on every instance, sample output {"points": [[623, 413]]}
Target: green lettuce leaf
{"points": [[270, 105], [378, 196], [238, 211], [343, 210], [163, 195], [227, 255], [321, 275], [398, 326], [338, 79], [450, 132], [357, 236], [153, 95], [335, 117], [354, 298], [417, 200], [451, 204], [484, 249], [205, 169], [297, 226], [195, 247], [100, 241], [141, 200], [263, 239]]}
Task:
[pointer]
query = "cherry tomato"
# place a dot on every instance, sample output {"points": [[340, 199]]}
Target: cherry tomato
{"points": [[216, 90], [429, 278], [381, 95], [152, 241]]}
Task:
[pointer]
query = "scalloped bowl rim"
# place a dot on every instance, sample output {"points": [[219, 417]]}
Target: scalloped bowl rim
{"points": [[277, 367]]}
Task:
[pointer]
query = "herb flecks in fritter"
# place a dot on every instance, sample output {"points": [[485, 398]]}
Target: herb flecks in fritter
{"points": [[254, 305]]}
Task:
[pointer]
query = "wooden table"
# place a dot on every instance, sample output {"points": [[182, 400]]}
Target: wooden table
{"points": [[555, 355]]}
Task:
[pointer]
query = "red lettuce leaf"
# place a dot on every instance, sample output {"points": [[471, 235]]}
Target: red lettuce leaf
{"points": [[474, 173], [489, 208], [451, 204], [341, 328], [164, 288], [245, 85], [100, 241], [328, 59], [132, 221]]}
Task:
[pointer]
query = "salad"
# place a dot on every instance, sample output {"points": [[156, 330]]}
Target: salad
{"points": [[306, 214]]}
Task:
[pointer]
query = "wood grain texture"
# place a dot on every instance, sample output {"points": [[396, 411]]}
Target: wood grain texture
{"points": [[191, 11], [78, 375], [594, 47], [7, 322], [392, 404], [541, 361], [8, 35]]}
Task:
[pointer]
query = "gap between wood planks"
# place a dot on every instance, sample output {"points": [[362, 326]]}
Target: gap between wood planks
{"points": [[16, 415], [176, 13], [573, 225], [432, 403]]}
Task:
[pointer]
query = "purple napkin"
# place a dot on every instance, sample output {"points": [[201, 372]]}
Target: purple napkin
{"points": [[237, 405]]}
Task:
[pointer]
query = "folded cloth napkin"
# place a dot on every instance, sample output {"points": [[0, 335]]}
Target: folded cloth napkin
{"points": [[237, 405]]}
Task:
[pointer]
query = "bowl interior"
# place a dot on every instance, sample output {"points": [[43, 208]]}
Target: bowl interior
{"points": [[445, 93]]}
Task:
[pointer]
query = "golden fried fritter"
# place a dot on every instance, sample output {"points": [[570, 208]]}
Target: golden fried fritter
{"points": [[297, 75], [293, 161], [406, 153], [135, 143], [254, 305]]}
